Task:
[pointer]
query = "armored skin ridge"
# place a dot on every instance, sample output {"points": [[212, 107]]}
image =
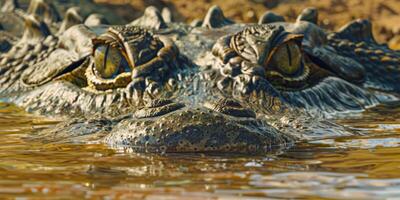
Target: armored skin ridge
{"points": [[155, 85]]}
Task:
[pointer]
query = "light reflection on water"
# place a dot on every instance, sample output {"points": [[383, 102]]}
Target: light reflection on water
{"points": [[362, 167]]}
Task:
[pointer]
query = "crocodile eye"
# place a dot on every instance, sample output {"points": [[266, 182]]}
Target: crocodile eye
{"points": [[109, 62], [288, 68], [269, 52], [286, 58]]}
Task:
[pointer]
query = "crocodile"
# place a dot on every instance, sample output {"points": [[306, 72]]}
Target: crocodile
{"points": [[215, 86]]}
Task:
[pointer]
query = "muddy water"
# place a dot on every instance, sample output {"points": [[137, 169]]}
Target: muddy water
{"points": [[363, 167]]}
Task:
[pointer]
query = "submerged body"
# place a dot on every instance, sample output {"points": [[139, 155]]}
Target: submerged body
{"points": [[217, 87]]}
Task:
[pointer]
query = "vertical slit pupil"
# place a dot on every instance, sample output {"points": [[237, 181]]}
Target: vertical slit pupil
{"points": [[289, 54], [105, 57]]}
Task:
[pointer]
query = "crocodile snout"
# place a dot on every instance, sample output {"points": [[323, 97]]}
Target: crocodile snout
{"points": [[225, 127]]}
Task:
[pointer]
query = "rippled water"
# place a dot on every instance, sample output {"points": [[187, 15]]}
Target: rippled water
{"points": [[363, 167]]}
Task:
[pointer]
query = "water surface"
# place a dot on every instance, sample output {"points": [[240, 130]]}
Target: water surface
{"points": [[362, 167]]}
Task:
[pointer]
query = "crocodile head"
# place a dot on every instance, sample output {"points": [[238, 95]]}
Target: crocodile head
{"points": [[157, 99], [239, 88]]}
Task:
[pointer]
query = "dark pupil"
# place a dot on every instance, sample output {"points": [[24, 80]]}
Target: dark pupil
{"points": [[109, 62]]}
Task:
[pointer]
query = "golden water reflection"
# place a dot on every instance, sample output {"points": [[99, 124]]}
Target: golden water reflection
{"points": [[362, 167]]}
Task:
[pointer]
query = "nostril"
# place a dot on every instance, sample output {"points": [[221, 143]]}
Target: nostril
{"points": [[230, 107], [157, 108]]}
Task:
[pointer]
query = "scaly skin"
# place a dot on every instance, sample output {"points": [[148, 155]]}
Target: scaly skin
{"points": [[213, 87]]}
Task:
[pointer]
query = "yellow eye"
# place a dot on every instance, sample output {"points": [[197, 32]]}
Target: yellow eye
{"points": [[109, 62], [287, 58]]}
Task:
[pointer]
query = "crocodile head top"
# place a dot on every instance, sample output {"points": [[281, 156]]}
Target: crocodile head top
{"points": [[221, 87]]}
